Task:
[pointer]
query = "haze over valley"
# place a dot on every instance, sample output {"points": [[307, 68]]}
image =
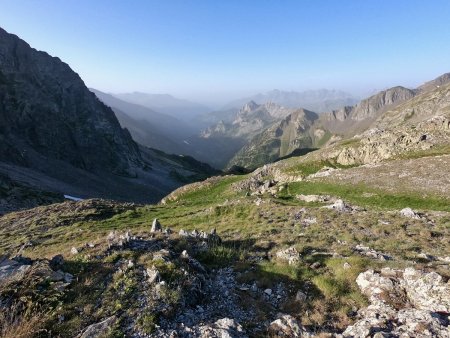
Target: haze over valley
{"points": [[224, 169]]}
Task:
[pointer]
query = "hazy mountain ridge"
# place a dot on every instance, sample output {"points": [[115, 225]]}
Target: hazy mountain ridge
{"points": [[163, 123], [321, 100], [147, 127], [167, 104]]}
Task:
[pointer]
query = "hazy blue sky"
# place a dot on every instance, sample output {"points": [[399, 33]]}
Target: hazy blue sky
{"points": [[209, 50]]}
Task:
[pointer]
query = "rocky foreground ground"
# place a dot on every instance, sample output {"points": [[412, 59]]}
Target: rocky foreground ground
{"points": [[158, 282], [274, 253]]}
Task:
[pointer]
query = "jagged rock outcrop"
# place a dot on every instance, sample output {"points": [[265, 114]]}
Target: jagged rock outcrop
{"points": [[406, 303], [354, 119]]}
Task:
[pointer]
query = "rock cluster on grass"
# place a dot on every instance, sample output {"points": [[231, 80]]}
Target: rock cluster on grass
{"points": [[368, 252], [201, 235], [341, 206], [224, 328], [20, 277], [17, 268], [410, 213], [256, 187], [290, 255], [287, 326], [406, 303], [315, 198]]}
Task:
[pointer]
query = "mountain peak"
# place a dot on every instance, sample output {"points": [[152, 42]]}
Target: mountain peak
{"points": [[250, 106], [437, 82]]}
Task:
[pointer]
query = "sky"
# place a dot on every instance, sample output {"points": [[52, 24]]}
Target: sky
{"points": [[213, 51]]}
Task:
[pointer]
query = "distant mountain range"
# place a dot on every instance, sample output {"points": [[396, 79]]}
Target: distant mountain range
{"points": [[148, 127], [167, 104], [319, 101], [304, 130]]}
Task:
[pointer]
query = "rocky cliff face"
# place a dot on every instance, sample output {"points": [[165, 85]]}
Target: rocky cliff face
{"points": [[420, 124], [391, 123], [351, 120], [56, 136], [46, 110]]}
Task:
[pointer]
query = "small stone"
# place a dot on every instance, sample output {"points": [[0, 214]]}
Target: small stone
{"points": [[56, 276], [347, 266], [74, 251], [339, 205], [380, 335], [56, 262], [408, 212], [68, 278], [111, 236], [315, 265], [156, 226], [127, 236], [425, 256], [268, 292], [99, 329], [183, 233], [300, 296], [153, 275]]}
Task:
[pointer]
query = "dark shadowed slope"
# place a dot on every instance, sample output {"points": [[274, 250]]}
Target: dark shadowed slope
{"points": [[57, 136]]}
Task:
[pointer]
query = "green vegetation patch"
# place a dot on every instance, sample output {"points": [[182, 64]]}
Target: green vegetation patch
{"points": [[364, 196], [443, 149], [312, 167]]}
